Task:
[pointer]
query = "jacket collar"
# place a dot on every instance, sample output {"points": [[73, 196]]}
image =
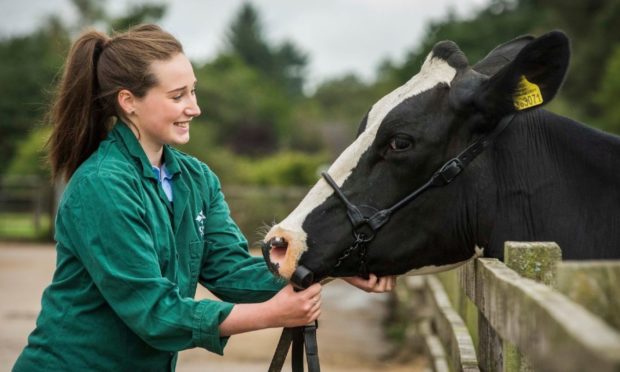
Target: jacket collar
{"points": [[127, 138]]}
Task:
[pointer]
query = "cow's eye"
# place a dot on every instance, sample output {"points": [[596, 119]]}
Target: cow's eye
{"points": [[400, 143]]}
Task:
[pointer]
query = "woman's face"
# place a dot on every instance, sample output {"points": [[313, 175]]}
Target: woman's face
{"points": [[163, 115]]}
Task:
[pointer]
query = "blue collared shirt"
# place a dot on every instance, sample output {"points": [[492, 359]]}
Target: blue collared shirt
{"points": [[165, 179]]}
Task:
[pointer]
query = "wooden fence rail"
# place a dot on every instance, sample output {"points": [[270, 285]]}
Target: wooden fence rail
{"points": [[450, 329], [522, 312]]}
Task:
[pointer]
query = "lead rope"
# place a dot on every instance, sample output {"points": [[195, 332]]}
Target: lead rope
{"points": [[303, 338], [300, 337]]}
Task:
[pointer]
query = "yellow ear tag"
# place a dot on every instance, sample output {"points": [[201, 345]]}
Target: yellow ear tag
{"points": [[527, 95]]}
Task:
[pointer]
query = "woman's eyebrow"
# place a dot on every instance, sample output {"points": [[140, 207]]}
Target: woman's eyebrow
{"points": [[181, 88], [177, 89]]}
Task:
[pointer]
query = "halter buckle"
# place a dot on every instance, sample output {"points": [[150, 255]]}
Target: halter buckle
{"points": [[448, 172]]}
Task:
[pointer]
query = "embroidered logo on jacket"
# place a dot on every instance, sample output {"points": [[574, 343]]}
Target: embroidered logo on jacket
{"points": [[201, 222]]}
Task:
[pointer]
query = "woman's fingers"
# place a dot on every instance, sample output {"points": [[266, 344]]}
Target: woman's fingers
{"points": [[373, 283]]}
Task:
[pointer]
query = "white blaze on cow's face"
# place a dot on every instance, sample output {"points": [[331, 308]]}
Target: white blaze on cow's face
{"points": [[433, 72]]}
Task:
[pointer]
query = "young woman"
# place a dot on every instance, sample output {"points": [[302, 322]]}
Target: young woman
{"points": [[140, 224]]}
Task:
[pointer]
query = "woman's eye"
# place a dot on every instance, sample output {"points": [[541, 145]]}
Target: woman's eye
{"points": [[400, 144]]}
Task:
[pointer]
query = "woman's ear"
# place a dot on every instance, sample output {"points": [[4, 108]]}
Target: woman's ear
{"points": [[530, 80], [126, 102]]}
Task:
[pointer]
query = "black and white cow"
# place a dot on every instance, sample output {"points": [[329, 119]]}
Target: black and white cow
{"points": [[543, 178]]}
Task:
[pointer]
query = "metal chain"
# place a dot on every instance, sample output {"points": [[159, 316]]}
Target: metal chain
{"points": [[360, 241], [347, 252]]}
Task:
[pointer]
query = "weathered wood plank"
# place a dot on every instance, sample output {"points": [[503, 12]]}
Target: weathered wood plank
{"points": [[436, 353], [451, 329], [593, 284], [490, 346], [555, 333], [533, 260]]}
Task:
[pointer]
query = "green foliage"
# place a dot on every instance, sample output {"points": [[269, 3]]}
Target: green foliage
{"points": [[346, 98], [28, 67], [594, 30], [92, 12], [284, 64], [283, 169], [341, 104], [246, 111], [607, 96], [476, 36], [30, 156], [138, 14]]}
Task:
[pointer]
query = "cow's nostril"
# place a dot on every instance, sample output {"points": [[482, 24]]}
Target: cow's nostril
{"points": [[279, 242]]}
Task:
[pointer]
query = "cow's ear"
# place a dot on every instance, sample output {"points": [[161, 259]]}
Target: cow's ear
{"points": [[501, 55], [530, 80]]}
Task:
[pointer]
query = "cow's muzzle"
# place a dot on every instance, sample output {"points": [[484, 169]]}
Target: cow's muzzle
{"points": [[282, 249], [301, 277]]}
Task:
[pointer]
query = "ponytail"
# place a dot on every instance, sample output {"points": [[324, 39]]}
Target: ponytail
{"points": [[75, 115], [97, 68]]}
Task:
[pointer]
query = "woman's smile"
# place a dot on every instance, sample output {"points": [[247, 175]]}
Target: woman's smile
{"points": [[182, 124]]}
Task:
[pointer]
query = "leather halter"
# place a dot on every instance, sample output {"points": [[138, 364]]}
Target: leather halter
{"points": [[365, 226]]}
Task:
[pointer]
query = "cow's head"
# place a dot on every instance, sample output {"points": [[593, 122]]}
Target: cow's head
{"points": [[404, 138]]}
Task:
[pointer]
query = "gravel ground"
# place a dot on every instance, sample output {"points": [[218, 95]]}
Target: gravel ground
{"points": [[350, 335]]}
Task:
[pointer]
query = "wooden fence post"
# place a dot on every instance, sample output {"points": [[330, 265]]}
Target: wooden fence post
{"points": [[489, 343], [537, 261]]}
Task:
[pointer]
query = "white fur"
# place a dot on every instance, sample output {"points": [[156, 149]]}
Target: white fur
{"points": [[433, 72]]}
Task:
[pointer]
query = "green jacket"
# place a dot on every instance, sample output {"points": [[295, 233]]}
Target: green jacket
{"points": [[128, 263]]}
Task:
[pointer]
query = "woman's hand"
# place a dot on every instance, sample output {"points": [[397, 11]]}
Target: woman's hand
{"points": [[286, 309], [292, 309], [373, 284]]}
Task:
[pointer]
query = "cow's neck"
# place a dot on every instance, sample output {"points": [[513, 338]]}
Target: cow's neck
{"points": [[555, 179]]}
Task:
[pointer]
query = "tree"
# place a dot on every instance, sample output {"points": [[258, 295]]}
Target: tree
{"points": [[247, 112], [607, 96], [594, 30], [283, 63], [29, 67], [144, 13], [500, 21], [92, 12]]}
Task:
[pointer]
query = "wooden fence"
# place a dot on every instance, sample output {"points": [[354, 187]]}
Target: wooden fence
{"points": [[27, 206], [532, 312]]}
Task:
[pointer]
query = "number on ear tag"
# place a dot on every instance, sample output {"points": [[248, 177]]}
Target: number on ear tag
{"points": [[527, 94]]}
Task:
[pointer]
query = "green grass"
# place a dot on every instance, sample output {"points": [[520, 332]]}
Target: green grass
{"points": [[21, 226]]}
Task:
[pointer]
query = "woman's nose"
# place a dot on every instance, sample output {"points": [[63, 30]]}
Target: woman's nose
{"points": [[193, 109]]}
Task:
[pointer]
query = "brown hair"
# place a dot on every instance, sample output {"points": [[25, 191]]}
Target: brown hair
{"points": [[97, 68]]}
